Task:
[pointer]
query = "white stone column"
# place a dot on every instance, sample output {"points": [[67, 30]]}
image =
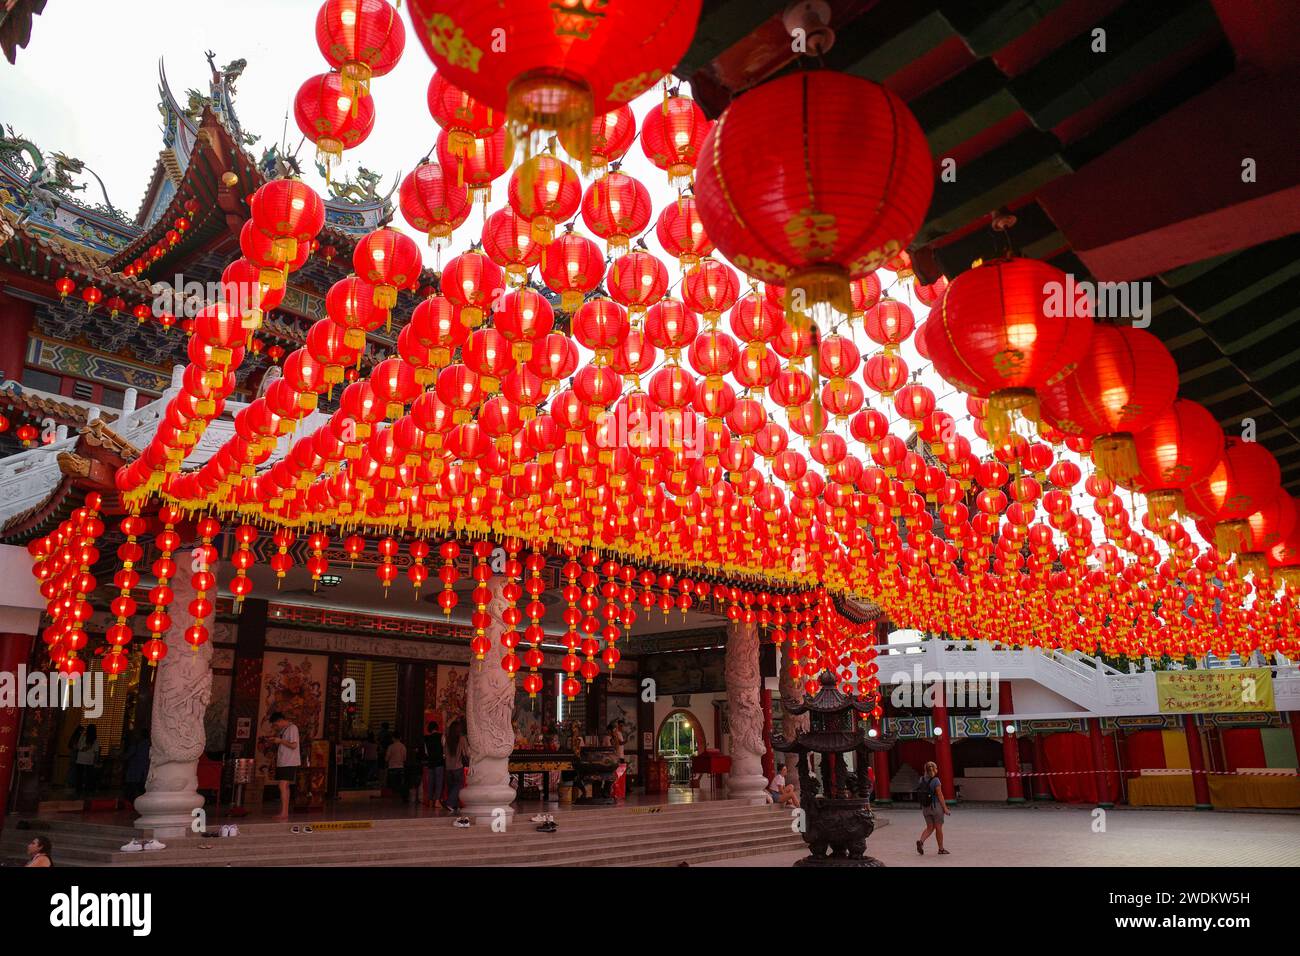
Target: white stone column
{"points": [[745, 715], [181, 691], [791, 724], [489, 709]]}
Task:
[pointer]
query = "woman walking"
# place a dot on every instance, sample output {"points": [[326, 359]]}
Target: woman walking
{"points": [[933, 807]]}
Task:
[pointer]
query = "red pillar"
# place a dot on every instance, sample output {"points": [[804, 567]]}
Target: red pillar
{"points": [[1099, 762], [1010, 747], [880, 760], [1042, 785], [15, 650], [1200, 782], [943, 746], [16, 317]]}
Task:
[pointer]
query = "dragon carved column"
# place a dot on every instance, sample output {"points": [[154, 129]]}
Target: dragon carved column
{"points": [[182, 689], [746, 781], [489, 707], [791, 724]]}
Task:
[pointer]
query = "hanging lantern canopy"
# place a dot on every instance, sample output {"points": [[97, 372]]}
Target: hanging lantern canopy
{"points": [[1123, 384], [856, 175], [555, 67], [332, 118]]}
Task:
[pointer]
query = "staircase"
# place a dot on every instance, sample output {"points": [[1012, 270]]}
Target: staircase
{"points": [[616, 836]]}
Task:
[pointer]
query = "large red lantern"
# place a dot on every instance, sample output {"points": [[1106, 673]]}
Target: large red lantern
{"points": [[681, 232], [477, 164], [1245, 478], [992, 336], [508, 241], [361, 39], [637, 281], [472, 281], [611, 136], [331, 117], [290, 212], [1175, 451], [1124, 383], [855, 177], [555, 66]]}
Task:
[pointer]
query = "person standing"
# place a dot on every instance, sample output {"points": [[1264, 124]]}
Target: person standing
{"points": [[618, 737], [435, 765], [457, 755], [395, 760], [288, 758], [136, 760], [87, 754], [934, 807]]}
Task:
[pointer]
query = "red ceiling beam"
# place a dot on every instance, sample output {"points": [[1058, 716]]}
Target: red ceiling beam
{"points": [[1173, 193]]}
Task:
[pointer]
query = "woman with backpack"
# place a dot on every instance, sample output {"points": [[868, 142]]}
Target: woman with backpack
{"points": [[929, 794]]}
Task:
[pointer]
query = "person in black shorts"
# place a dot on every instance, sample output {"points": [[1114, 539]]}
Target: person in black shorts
{"points": [[288, 757]]}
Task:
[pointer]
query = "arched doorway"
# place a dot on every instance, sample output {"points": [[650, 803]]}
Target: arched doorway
{"points": [[679, 739]]}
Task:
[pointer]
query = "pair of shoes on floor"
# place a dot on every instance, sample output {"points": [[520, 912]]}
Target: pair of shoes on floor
{"points": [[462, 823], [301, 829], [137, 846], [230, 830]]}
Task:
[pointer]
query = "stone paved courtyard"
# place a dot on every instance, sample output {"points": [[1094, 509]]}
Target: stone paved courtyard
{"points": [[1064, 836]]}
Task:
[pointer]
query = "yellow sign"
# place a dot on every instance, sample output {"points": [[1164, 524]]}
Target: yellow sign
{"points": [[343, 825], [1237, 690]]}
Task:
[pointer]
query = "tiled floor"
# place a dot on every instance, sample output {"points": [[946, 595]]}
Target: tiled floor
{"points": [[1071, 836]]}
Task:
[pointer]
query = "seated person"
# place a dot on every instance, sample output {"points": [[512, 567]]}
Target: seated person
{"points": [[788, 797]]}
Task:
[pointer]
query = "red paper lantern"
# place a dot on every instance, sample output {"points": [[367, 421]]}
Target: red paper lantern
{"points": [[637, 281], [478, 164], [332, 117], [543, 191], [671, 136], [611, 136], [432, 203], [1124, 383], [1245, 478], [361, 39], [508, 241], [681, 232], [855, 177], [616, 207], [389, 260], [1175, 451], [473, 282], [573, 267], [555, 67]]}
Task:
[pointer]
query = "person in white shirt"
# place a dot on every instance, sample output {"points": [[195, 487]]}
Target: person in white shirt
{"points": [[774, 788], [288, 757], [396, 762]]}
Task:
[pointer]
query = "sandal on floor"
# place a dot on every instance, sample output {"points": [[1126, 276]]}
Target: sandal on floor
{"points": [[944, 853]]}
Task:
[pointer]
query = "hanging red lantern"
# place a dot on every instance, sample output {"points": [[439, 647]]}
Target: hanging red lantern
{"points": [[508, 241], [672, 135], [1175, 451], [351, 303], [332, 118], [290, 212], [1245, 478], [544, 191], [361, 39], [885, 373], [464, 118], [616, 207], [681, 232], [610, 137], [473, 282], [478, 164], [523, 318], [637, 281], [432, 204], [1123, 384], [556, 68], [857, 178], [389, 260], [711, 288], [573, 267]]}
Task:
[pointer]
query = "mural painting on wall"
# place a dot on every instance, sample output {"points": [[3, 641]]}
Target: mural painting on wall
{"points": [[624, 707], [534, 722], [686, 672], [294, 685], [450, 697]]}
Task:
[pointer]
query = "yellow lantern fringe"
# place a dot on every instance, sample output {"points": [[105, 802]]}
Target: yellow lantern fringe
{"points": [[1115, 456]]}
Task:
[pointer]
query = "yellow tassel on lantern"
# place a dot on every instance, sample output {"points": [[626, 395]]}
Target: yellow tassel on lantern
{"points": [[1115, 456]]}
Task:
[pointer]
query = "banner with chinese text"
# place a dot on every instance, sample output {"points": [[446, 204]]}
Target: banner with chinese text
{"points": [[1236, 690]]}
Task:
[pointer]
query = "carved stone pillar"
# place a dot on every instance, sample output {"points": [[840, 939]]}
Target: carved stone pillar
{"points": [[745, 713], [489, 707], [182, 689], [791, 724]]}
